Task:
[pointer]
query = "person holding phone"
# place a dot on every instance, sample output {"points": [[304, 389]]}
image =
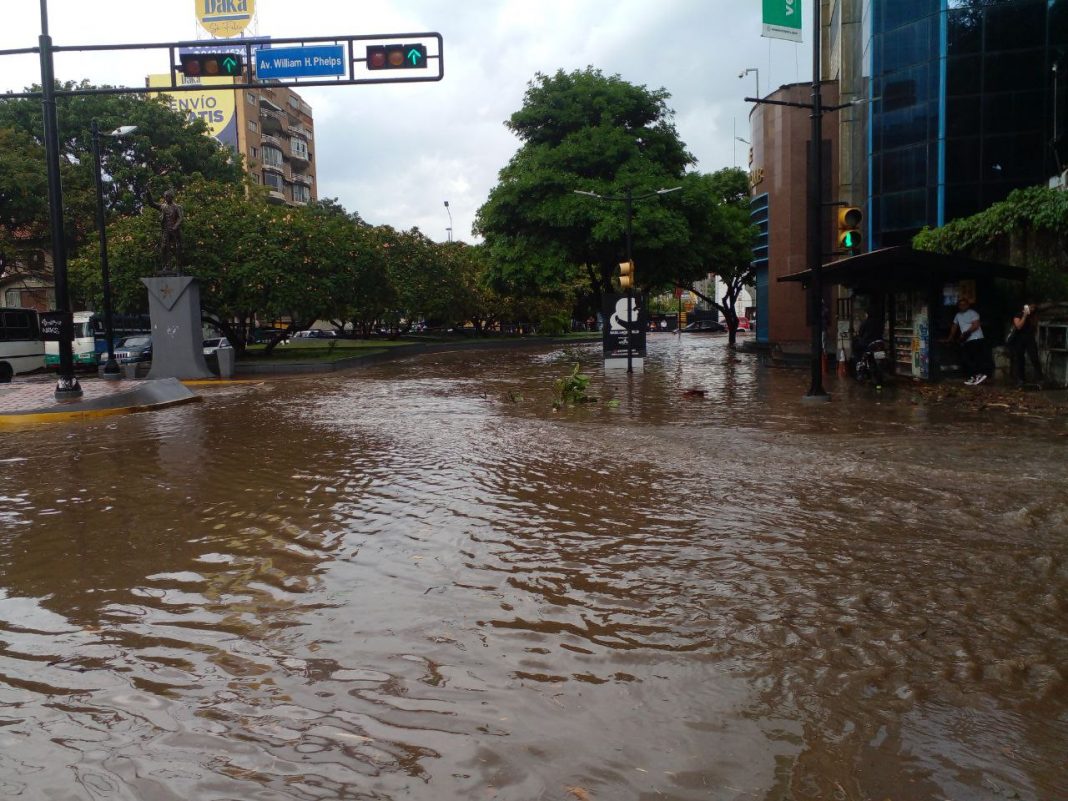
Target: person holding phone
{"points": [[1024, 342], [968, 330]]}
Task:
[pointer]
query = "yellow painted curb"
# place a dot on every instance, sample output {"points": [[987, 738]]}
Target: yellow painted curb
{"points": [[88, 414], [219, 382]]}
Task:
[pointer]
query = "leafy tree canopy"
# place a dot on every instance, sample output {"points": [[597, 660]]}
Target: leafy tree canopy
{"points": [[165, 151]]}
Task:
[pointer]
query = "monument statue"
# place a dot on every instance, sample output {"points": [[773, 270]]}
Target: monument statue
{"points": [[170, 242]]}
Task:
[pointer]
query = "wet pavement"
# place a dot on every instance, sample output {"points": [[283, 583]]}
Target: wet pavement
{"points": [[417, 581]]}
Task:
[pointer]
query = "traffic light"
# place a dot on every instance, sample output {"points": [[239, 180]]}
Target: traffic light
{"points": [[626, 274], [849, 220], [197, 65], [396, 57]]}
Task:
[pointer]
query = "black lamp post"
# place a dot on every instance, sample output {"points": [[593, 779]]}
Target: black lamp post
{"points": [[111, 367], [629, 199]]}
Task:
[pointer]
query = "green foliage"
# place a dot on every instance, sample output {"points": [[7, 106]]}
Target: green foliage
{"points": [[1037, 208], [585, 131], [554, 325], [1029, 229], [166, 151], [571, 389]]}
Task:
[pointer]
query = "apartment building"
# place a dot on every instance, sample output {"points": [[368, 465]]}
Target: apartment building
{"points": [[276, 135], [272, 127]]}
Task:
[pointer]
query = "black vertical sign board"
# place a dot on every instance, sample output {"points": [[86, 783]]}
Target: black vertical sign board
{"points": [[615, 334], [53, 325]]}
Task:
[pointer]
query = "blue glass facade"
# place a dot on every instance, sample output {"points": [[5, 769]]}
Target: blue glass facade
{"points": [[963, 106]]}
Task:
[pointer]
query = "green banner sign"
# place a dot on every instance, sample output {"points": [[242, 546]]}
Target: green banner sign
{"points": [[782, 19]]}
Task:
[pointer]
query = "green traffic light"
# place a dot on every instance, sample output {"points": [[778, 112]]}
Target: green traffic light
{"points": [[230, 65]]}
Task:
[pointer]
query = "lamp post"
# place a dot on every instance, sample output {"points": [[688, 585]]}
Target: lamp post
{"points": [[629, 199], [449, 229], [111, 367]]}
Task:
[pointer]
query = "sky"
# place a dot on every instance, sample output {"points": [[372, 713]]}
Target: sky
{"points": [[395, 153]]}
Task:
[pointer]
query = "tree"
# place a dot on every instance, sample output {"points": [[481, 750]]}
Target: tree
{"points": [[585, 131], [724, 247], [166, 151]]}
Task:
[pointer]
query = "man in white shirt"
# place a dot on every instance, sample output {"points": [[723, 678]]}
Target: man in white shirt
{"points": [[968, 329]]}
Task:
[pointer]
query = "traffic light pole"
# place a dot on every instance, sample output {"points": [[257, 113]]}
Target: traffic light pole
{"points": [[67, 386], [816, 392], [630, 260]]}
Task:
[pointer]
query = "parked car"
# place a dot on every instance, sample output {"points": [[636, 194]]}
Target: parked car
{"points": [[704, 327], [315, 333], [134, 349], [213, 344]]}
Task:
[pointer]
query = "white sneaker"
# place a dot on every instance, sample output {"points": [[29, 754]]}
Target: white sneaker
{"points": [[970, 382], [979, 379]]}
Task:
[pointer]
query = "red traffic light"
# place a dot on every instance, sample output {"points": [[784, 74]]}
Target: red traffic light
{"points": [[396, 57]]}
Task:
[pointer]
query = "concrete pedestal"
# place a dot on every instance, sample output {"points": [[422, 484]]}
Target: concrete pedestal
{"points": [[177, 338]]}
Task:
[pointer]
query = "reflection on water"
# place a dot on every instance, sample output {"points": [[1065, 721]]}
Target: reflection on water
{"points": [[418, 581]]}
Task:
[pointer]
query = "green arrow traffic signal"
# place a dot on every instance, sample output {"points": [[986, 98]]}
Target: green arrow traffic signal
{"points": [[393, 57]]}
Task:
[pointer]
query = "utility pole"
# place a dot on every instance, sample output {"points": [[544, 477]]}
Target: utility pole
{"points": [[816, 392]]}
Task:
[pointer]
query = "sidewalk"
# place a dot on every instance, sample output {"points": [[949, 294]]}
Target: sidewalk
{"points": [[32, 399]]}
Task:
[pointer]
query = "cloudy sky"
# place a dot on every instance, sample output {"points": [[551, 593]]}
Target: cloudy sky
{"points": [[394, 153]]}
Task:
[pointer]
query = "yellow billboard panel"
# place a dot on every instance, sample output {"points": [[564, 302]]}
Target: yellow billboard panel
{"points": [[218, 107], [224, 18]]}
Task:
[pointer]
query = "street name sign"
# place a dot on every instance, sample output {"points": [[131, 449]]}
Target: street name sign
{"points": [[301, 62]]}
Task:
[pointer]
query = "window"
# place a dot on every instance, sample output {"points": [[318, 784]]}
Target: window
{"points": [[272, 156], [16, 325], [252, 99], [253, 126], [301, 193], [274, 181], [13, 298], [256, 178], [299, 148], [253, 152]]}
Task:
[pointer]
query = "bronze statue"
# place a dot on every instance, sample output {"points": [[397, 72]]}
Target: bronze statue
{"points": [[170, 243]]}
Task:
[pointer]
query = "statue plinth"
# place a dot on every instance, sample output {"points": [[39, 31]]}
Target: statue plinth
{"points": [[177, 335]]}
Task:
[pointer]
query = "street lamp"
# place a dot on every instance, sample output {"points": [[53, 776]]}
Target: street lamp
{"points": [[746, 71], [449, 229], [111, 367], [629, 198]]}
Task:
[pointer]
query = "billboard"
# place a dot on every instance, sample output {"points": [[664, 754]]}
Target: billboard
{"points": [[224, 18], [218, 108], [782, 20]]}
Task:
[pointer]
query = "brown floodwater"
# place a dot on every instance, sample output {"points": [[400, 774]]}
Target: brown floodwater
{"points": [[417, 581]]}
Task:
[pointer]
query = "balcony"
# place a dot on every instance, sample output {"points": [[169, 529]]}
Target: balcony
{"points": [[299, 153], [299, 130], [274, 122], [301, 179], [275, 168], [267, 139], [276, 196]]}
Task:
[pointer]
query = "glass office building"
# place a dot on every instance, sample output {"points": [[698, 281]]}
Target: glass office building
{"points": [[966, 105]]}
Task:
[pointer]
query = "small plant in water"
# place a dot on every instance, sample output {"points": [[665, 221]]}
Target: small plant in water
{"points": [[571, 390]]}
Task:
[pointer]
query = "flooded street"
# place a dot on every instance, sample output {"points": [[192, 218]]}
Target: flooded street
{"points": [[417, 581]]}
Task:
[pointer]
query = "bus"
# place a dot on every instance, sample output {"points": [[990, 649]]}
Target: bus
{"points": [[21, 347], [90, 345]]}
